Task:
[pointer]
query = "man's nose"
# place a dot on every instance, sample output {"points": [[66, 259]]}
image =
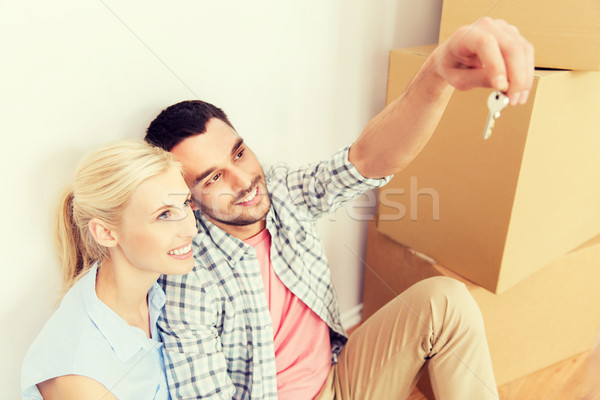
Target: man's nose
{"points": [[241, 179]]}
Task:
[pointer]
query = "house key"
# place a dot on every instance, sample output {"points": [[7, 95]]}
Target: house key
{"points": [[496, 102]]}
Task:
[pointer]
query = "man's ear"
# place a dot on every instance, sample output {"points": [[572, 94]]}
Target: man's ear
{"points": [[103, 233]]}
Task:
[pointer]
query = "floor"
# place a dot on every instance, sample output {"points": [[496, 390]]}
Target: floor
{"points": [[576, 378]]}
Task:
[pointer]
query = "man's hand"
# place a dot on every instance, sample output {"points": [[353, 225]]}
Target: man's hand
{"points": [[490, 53]]}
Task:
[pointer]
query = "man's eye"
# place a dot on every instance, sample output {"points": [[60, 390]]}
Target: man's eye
{"points": [[239, 155], [214, 178]]}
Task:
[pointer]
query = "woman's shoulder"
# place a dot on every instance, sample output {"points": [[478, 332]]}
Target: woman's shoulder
{"points": [[69, 320], [66, 341], [85, 337]]}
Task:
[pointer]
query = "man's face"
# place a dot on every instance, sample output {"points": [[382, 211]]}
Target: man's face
{"points": [[226, 180]]}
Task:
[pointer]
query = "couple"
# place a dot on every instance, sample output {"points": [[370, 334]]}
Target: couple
{"points": [[256, 317]]}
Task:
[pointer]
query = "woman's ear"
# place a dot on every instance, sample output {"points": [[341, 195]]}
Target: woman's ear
{"points": [[103, 233]]}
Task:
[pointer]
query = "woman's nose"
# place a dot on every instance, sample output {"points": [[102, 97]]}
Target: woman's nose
{"points": [[188, 226]]}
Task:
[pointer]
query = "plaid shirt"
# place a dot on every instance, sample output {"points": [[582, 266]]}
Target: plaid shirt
{"points": [[216, 324]]}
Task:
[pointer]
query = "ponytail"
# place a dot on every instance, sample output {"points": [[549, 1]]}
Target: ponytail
{"points": [[69, 243]]}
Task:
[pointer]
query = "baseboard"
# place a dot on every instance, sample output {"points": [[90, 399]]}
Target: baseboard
{"points": [[352, 317]]}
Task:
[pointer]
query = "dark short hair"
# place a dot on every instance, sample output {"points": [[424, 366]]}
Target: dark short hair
{"points": [[182, 120]]}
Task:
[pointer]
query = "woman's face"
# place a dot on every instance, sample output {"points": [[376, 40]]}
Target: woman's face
{"points": [[157, 226]]}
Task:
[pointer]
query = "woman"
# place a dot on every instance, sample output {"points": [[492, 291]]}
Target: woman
{"points": [[125, 221]]}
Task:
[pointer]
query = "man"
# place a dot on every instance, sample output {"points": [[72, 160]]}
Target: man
{"points": [[257, 318]]}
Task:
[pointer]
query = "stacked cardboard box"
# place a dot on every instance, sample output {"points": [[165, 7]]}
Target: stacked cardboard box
{"points": [[565, 34], [498, 210], [515, 217], [550, 316]]}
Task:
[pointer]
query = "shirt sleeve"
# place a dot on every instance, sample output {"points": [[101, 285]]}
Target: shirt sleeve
{"points": [[325, 186], [195, 364]]}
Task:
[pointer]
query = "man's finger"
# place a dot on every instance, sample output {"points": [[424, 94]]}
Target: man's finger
{"points": [[516, 53], [481, 42]]}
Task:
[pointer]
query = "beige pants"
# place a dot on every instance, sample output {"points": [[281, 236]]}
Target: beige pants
{"points": [[435, 322]]}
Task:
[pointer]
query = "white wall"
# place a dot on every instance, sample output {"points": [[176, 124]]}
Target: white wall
{"points": [[299, 79]]}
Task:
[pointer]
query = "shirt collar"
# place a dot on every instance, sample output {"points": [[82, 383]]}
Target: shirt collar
{"points": [[232, 248], [156, 298], [125, 339]]}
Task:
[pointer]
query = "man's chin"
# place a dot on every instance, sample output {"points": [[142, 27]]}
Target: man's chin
{"points": [[241, 220]]}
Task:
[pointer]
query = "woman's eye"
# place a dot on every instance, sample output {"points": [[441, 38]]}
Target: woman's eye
{"points": [[164, 215], [187, 203]]}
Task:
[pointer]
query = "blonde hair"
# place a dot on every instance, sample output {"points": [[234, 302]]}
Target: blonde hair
{"points": [[104, 181]]}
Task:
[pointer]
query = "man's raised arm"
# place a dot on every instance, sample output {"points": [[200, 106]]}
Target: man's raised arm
{"points": [[490, 53]]}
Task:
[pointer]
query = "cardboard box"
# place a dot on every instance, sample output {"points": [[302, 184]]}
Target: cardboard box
{"points": [[552, 315], [565, 34], [495, 211]]}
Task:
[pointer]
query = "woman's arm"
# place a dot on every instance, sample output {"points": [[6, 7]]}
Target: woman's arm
{"points": [[74, 387]]}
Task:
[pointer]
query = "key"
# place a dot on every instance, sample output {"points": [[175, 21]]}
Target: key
{"points": [[497, 101]]}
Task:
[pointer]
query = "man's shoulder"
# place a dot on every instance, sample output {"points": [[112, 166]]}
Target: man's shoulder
{"points": [[277, 179], [277, 172]]}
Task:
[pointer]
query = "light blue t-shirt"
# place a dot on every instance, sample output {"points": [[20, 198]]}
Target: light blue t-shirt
{"points": [[85, 337]]}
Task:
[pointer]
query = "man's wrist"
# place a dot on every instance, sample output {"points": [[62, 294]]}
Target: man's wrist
{"points": [[434, 84]]}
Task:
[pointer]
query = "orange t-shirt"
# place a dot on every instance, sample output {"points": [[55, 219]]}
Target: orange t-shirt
{"points": [[302, 346]]}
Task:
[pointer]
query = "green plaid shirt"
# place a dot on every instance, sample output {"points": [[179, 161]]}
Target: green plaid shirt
{"points": [[216, 324]]}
